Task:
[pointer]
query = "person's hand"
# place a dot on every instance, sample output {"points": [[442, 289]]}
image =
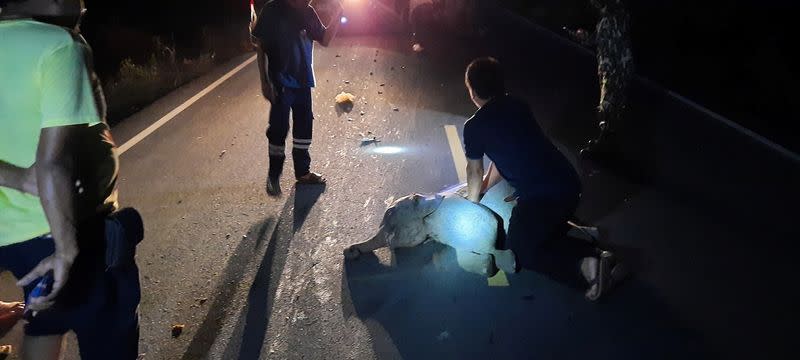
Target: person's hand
{"points": [[268, 90], [60, 265], [29, 184]]}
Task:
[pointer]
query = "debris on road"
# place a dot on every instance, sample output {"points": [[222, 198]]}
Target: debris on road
{"points": [[350, 119], [417, 48], [380, 92], [396, 109], [223, 153], [362, 113], [177, 330], [347, 81], [383, 84], [344, 102], [5, 351], [369, 138], [227, 236]]}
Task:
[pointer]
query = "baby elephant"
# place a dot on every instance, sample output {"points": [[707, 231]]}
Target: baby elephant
{"points": [[450, 219]]}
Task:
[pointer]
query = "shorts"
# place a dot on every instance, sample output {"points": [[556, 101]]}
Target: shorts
{"points": [[99, 305]]}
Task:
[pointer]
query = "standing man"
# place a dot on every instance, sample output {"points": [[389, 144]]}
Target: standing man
{"points": [[547, 186], [58, 171], [614, 68], [285, 32]]}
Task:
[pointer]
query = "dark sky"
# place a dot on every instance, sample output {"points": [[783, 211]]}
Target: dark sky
{"points": [[731, 56]]}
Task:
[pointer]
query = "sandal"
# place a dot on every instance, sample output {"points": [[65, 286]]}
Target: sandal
{"points": [[609, 273], [311, 179]]}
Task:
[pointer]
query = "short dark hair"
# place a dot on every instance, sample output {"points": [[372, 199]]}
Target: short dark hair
{"points": [[485, 77]]}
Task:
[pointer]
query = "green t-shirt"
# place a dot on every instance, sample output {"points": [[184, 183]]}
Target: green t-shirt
{"points": [[44, 82]]}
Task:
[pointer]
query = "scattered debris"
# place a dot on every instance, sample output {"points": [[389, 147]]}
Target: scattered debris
{"points": [[362, 113], [347, 81], [344, 102], [370, 73], [337, 55], [202, 301], [177, 330], [351, 119], [369, 138], [403, 67], [383, 84], [396, 109], [244, 236], [380, 92], [223, 153], [227, 236], [417, 48], [443, 336], [5, 350]]}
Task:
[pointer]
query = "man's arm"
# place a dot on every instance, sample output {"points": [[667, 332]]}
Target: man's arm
{"points": [[324, 35], [17, 178], [267, 88], [56, 168], [474, 179]]}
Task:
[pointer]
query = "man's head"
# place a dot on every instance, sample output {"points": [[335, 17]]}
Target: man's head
{"points": [[55, 8], [484, 80], [299, 4]]}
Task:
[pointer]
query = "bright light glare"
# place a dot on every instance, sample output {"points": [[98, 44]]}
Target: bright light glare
{"points": [[344, 20], [387, 150]]}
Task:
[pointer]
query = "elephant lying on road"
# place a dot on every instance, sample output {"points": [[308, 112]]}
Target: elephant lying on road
{"points": [[472, 229]]}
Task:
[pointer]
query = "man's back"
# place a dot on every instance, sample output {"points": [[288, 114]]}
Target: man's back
{"points": [[44, 83], [506, 131]]}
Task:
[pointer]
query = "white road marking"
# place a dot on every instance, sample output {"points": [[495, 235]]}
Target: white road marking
{"points": [[166, 118], [459, 159]]}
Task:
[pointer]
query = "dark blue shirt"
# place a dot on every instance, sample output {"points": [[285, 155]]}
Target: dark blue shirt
{"points": [[506, 131], [287, 36]]}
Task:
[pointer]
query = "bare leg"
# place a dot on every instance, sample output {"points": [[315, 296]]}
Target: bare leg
{"points": [[378, 241], [42, 347]]}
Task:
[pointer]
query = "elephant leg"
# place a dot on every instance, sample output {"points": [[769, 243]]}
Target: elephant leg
{"points": [[378, 241], [481, 264], [506, 261]]}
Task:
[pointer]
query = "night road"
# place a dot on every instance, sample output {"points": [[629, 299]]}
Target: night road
{"points": [[256, 277]]}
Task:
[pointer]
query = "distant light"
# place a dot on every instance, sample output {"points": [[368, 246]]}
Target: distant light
{"points": [[388, 150], [343, 20]]}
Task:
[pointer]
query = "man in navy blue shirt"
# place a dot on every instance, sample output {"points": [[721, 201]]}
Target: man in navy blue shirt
{"points": [[547, 186], [285, 33]]}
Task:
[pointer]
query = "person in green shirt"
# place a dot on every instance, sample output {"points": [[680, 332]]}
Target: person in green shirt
{"points": [[57, 183]]}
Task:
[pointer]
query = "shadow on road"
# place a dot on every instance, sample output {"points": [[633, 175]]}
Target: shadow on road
{"points": [[226, 288], [430, 309], [261, 297]]}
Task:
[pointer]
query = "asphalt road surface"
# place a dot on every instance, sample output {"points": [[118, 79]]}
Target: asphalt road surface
{"points": [[257, 277]]}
